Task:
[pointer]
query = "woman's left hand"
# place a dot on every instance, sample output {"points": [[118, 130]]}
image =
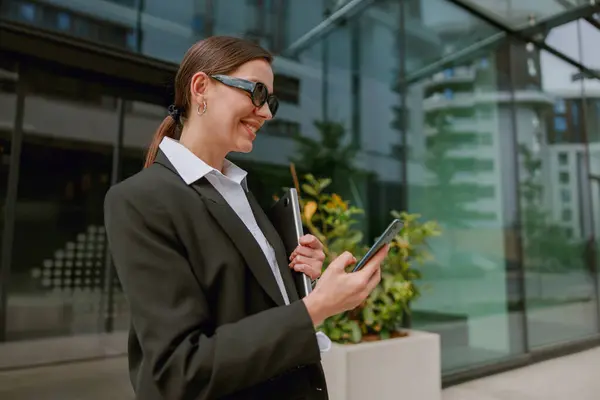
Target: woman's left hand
{"points": [[308, 257]]}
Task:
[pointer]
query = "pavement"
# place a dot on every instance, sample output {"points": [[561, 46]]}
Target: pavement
{"points": [[572, 377]]}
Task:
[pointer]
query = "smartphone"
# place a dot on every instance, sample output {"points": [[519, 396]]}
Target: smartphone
{"points": [[388, 235]]}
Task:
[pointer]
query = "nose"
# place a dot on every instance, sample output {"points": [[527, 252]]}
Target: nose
{"points": [[264, 112]]}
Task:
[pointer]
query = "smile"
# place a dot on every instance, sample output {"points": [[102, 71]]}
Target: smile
{"points": [[251, 128]]}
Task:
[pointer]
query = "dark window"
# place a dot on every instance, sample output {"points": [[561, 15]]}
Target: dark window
{"points": [[281, 127], [287, 88], [565, 195], [563, 158], [560, 124], [84, 26]]}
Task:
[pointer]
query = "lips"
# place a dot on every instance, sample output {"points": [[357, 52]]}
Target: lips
{"points": [[251, 128]]}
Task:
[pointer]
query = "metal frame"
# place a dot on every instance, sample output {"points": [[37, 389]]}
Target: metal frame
{"points": [[322, 30], [403, 114], [355, 82], [519, 361], [134, 70], [590, 255], [107, 303], [568, 5], [11, 199], [531, 34], [515, 217]]}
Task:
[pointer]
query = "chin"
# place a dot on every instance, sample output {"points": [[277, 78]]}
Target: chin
{"points": [[245, 147]]}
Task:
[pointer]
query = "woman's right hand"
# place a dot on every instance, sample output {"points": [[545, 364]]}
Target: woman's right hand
{"points": [[338, 291]]}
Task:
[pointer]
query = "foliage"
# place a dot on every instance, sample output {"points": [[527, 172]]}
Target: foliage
{"points": [[331, 219], [446, 198], [327, 153], [547, 244]]}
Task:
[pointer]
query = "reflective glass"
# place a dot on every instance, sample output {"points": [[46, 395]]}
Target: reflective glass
{"points": [[460, 174], [460, 128], [438, 31], [109, 22], [556, 209], [9, 78], [59, 248], [520, 13], [140, 121]]}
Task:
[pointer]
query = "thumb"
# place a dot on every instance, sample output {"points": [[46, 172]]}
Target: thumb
{"points": [[343, 260], [375, 262]]}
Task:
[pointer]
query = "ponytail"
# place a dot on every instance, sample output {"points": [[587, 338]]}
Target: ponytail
{"points": [[168, 128]]}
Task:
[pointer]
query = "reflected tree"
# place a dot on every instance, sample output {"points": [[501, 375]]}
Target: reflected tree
{"points": [[327, 155], [446, 198], [547, 244]]}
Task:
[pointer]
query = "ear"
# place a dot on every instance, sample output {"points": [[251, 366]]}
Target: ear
{"points": [[198, 87]]}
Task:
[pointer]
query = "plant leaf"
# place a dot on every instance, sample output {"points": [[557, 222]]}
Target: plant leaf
{"points": [[356, 333], [309, 210]]}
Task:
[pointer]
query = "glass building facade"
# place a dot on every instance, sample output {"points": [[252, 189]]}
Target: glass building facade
{"points": [[483, 115]]}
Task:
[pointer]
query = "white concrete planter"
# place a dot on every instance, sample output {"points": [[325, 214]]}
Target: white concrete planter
{"points": [[402, 368]]}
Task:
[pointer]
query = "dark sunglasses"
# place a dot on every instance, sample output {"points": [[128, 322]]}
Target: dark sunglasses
{"points": [[257, 90]]}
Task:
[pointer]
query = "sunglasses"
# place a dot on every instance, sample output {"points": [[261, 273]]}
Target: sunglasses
{"points": [[257, 90]]}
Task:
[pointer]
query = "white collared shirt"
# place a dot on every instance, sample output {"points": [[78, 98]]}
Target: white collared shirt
{"points": [[232, 186]]}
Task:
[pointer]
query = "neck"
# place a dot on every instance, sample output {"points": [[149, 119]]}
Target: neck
{"points": [[205, 149]]}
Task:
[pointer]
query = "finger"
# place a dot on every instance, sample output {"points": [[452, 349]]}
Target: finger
{"points": [[311, 262], [311, 271], [374, 263], [311, 241], [306, 252], [374, 280], [342, 261], [298, 259]]}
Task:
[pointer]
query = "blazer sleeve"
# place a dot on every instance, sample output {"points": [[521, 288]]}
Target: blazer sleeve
{"points": [[170, 314]]}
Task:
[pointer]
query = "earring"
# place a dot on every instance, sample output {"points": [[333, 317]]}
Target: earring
{"points": [[201, 113]]}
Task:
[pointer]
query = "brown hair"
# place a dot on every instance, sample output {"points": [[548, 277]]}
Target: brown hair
{"points": [[213, 55]]}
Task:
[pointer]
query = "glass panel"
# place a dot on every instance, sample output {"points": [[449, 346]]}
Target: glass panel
{"points": [[565, 38], [590, 57], [313, 13], [590, 36], [519, 13], [461, 173], [59, 245], [107, 22], [167, 31], [8, 107], [344, 134], [141, 119], [437, 30], [555, 212]]}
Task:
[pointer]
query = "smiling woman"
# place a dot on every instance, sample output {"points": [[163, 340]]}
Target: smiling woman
{"points": [[236, 73], [214, 307]]}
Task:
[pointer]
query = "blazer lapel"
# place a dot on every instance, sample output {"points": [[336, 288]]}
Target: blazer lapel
{"points": [[240, 236], [273, 238]]}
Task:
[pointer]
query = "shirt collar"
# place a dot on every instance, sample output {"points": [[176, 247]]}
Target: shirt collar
{"points": [[191, 168]]}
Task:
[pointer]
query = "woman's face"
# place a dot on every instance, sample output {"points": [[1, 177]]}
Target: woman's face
{"points": [[231, 116]]}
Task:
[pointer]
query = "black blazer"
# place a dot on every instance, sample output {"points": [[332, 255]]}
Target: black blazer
{"points": [[207, 318]]}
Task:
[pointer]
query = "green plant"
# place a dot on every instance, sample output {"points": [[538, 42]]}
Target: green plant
{"points": [[332, 219], [547, 244], [327, 153]]}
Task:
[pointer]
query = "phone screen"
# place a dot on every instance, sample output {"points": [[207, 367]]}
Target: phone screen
{"points": [[388, 235]]}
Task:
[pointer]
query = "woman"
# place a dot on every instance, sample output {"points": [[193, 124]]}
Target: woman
{"points": [[214, 310]]}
